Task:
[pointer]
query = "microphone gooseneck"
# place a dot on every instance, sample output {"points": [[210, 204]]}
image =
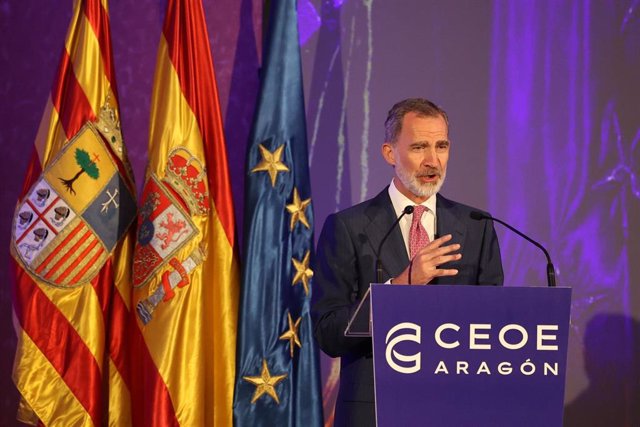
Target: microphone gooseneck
{"points": [[408, 210], [551, 272]]}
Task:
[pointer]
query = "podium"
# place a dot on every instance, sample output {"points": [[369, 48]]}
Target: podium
{"points": [[466, 355]]}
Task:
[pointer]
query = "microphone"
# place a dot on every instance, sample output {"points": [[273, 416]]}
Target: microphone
{"points": [[551, 272], [408, 210]]}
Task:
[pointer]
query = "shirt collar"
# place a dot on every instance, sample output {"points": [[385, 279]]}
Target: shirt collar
{"points": [[400, 201]]}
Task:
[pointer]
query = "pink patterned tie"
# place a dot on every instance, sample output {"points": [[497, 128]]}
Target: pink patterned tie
{"points": [[418, 237]]}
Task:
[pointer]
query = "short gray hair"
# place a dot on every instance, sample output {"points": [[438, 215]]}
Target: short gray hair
{"points": [[422, 107]]}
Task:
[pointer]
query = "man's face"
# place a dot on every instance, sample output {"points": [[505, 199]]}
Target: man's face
{"points": [[419, 156]]}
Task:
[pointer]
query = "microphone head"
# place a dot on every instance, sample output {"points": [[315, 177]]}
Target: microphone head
{"points": [[408, 210], [478, 215]]}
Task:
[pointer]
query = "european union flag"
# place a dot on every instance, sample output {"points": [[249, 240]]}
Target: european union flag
{"points": [[278, 381]]}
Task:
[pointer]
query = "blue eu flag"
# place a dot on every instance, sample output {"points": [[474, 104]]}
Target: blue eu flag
{"points": [[277, 374]]}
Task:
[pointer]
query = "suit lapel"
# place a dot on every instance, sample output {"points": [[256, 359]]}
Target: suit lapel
{"points": [[394, 253], [447, 221]]}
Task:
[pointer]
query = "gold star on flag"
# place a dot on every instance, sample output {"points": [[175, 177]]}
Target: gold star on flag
{"points": [[303, 272], [292, 334], [297, 210], [265, 383], [271, 163]]}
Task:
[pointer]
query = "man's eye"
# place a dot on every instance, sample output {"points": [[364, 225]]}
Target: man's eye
{"points": [[442, 147]]}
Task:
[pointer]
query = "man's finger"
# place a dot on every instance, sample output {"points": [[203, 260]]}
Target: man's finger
{"points": [[425, 262], [447, 258], [433, 252], [445, 272], [436, 243]]}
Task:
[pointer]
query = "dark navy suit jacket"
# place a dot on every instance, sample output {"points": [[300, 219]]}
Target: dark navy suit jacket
{"points": [[345, 266]]}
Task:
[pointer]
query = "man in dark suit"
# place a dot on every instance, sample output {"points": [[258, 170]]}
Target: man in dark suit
{"points": [[467, 251]]}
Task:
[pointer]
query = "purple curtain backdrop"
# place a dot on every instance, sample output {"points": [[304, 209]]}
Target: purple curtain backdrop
{"points": [[543, 101], [563, 136]]}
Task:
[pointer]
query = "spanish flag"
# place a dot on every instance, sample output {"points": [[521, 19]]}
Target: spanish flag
{"points": [[72, 243], [185, 269]]}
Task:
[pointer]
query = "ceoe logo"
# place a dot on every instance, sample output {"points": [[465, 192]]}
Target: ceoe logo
{"points": [[413, 334]]}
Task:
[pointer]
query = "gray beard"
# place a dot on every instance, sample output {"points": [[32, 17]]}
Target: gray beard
{"points": [[421, 190]]}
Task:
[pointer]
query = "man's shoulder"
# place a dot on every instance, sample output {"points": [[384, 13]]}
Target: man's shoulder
{"points": [[365, 208], [459, 209]]}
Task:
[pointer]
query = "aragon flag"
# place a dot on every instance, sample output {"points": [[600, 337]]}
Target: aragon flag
{"points": [[278, 379], [185, 268], [71, 243]]}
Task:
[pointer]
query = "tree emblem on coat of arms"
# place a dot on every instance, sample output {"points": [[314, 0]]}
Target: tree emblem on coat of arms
{"points": [[87, 165]]}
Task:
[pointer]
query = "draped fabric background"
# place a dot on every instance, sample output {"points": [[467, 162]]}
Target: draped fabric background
{"points": [[563, 133], [543, 100]]}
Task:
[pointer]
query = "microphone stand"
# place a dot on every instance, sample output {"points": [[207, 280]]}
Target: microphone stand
{"points": [[551, 272]]}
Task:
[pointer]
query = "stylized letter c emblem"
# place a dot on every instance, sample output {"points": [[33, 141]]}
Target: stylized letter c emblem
{"points": [[414, 359]]}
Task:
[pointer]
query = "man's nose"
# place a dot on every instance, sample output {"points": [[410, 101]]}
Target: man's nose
{"points": [[430, 158]]}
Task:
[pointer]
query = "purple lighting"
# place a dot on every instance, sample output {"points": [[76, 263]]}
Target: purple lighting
{"points": [[562, 135], [308, 20]]}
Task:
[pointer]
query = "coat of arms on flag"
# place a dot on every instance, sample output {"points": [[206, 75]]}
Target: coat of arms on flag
{"points": [[68, 223], [165, 227]]}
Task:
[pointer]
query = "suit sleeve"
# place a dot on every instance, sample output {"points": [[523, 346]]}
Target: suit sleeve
{"points": [[490, 265], [336, 290]]}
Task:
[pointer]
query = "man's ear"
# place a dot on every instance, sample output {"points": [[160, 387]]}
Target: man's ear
{"points": [[387, 153]]}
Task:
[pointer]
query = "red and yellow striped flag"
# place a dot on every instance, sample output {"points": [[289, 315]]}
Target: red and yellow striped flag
{"points": [[185, 269], [72, 243]]}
